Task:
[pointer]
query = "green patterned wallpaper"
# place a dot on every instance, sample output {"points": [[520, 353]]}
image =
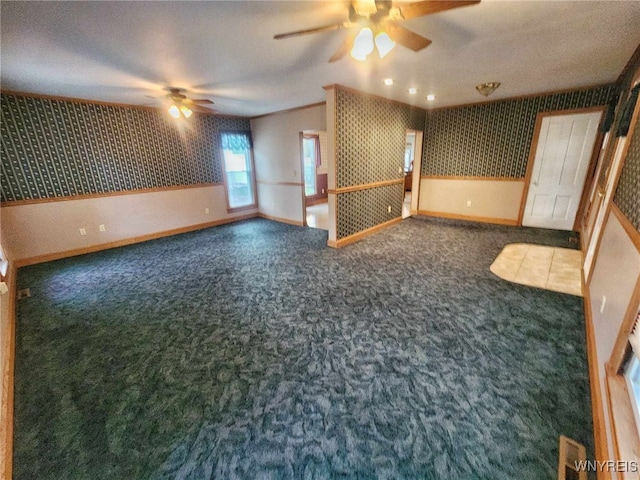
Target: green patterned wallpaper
{"points": [[493, 139], [627, 196], [55, 148], [368, 207], [370, 144], [370, 137]]}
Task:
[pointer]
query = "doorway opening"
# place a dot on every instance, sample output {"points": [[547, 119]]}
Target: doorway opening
{"points": [[315, 196], [412, 167]]}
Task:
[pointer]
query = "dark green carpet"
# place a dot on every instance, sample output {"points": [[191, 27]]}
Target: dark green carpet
{"points": [[253, 351]]}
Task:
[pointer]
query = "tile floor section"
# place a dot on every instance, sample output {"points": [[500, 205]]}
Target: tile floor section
{"points": [[406, 205], [551, 268], [318, 216]]}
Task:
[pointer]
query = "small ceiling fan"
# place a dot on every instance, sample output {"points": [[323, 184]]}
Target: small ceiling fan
{"points": [[377, 22], [181, 105]]}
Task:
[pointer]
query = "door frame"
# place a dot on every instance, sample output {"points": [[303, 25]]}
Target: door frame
{"points": [[534, 147], [591, 174], [301, 161], [596, 193]]}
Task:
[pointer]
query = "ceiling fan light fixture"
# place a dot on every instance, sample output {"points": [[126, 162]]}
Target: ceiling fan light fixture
{"points": [[174, 111], [365, 8], [185, 111], [363, 44], [384, 43], [488, 88]]}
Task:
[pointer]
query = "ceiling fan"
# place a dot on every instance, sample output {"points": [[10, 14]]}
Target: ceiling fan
{"points": [[181, 105], [377, 22]]}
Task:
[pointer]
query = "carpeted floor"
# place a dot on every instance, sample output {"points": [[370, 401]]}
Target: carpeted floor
{"points": [[253, 351]]}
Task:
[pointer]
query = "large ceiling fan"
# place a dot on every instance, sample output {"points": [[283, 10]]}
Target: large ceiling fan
{"points": [[180, 105], [377, 22]]}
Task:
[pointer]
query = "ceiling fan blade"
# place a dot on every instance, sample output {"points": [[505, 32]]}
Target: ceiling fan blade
{"points": [[407, 38], [326, 28], [202, 109], [419, 9], [202, 101], [344, 48]]}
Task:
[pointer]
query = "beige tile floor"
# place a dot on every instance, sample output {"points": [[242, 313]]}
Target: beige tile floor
{"points": [[406, 205], [551, 268], [318, 216]]}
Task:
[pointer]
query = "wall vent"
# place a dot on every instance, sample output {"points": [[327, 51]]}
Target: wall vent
{"points": [[570, 455], [23, 293]]}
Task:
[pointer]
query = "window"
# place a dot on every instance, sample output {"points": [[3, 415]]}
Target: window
{"points": [[4, 268], [238, 169], [632, 370], [309, 150], [408, 151], [632, 376], [623, 385]]}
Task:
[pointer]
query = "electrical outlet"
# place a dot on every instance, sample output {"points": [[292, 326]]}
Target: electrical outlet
{"points": [[101, 227], [295, 173], [468, 203], [400, 170], [83, 232], [604, 302], [206, 210], [389, 209], [323, 191]]}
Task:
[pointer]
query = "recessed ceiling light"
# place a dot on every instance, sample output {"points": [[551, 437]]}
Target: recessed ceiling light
{"points": [[413, 91], [431, 98], [388, 81]]}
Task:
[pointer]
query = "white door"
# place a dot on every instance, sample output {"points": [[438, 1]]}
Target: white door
{"points": [[563, 152]]}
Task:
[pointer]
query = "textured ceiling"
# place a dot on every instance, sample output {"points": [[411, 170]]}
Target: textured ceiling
{"points": [[123, 52]]}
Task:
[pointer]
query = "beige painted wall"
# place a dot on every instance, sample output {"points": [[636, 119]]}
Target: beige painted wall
{"points": [[281, 202], [489, 198], [614, 276], [276, 149], [52, 227]]}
